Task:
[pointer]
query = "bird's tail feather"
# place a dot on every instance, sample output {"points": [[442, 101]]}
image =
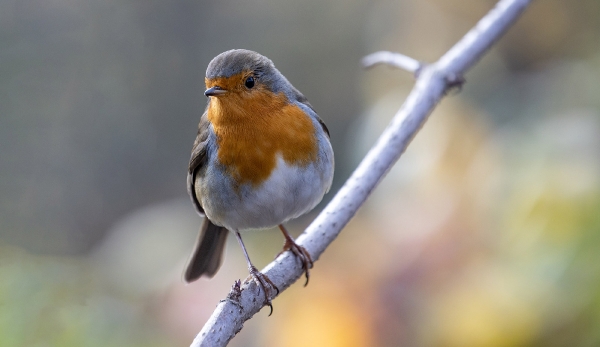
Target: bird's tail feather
{"points": [[208, 252]]}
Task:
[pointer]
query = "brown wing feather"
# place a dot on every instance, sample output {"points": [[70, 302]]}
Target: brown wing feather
{"points": [[301, 98], [198, 160]]}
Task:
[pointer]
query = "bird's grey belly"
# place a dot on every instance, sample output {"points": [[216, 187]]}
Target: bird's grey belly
{"points": [[289, 192]]}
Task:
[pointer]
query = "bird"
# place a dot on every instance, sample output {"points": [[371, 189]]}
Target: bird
{"points": [[262, 156]]}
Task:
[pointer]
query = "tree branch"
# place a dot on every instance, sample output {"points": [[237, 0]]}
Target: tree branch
{"points": [[432, 83]]}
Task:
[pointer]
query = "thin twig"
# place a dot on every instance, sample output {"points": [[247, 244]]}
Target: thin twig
{"points": [[392, 59], [432, 83]]}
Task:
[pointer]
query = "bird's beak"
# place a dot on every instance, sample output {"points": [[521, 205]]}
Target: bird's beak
{"points": [[215, 91]]}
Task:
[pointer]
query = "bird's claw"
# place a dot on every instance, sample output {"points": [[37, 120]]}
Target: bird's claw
{"points": [[264, 282], [300, 253]]}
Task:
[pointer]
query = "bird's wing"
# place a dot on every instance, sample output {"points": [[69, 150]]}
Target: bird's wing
{"points": [[198, 159], [303, 100]]}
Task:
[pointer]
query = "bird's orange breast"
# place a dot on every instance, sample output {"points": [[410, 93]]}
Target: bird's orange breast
{"points": [[253, 129]]}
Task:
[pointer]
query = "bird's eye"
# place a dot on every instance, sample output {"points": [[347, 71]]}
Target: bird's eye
{"points": [[249, 82]]}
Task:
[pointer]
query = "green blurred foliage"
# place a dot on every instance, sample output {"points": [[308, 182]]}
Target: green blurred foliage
{"points": [[49, 301], [486, 232]]}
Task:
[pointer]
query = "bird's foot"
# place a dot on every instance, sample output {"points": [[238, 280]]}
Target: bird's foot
{"points": [[265, 284], [300, 253]]}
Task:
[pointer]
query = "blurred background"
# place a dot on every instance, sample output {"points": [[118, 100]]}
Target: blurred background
{"points": [[486, 232]]}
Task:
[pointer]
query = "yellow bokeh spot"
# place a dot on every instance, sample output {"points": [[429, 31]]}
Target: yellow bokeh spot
{"points": [[327, 320], [485, 312]]}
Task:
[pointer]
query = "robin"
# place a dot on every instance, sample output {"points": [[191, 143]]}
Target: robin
{"points": [[262, 157]]}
